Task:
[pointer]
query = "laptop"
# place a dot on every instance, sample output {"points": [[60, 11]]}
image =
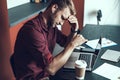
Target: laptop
{"points": [[87, 54]]}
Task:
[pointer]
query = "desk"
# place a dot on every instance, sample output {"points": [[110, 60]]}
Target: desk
{"points": [[94, 32]]}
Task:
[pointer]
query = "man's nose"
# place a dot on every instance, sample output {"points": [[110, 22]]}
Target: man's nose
{"points": [[61, 23]]}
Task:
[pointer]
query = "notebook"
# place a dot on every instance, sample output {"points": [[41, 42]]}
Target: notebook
{"points": [[87, 54], [111, 55]]}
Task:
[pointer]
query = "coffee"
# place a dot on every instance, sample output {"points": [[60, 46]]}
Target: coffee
{"points": [[80, 68]]}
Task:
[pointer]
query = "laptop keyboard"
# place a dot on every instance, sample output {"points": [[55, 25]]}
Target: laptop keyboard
{"points": [[86, 57]]}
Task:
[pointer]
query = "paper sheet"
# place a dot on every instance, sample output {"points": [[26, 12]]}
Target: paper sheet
{"points": [[105, 43], [108, 71], [78, 47]]}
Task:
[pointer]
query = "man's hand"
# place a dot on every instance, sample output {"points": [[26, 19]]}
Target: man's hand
{"points": [[74, 22], [78, 40]]}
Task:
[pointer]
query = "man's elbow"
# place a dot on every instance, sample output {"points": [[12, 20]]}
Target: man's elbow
{"points": [[51, 71]]}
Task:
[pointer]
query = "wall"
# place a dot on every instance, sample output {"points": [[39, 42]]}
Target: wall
{"points": [[79, 5], [14, 3], [110, 10]]}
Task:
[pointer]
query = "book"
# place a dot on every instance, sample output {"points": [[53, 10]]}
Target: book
{"points": [[37, 1], [44, 1], [111, 55], [32, 1], [105, 43]]}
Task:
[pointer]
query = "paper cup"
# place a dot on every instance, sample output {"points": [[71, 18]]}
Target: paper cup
{"points": [[80, 68]]}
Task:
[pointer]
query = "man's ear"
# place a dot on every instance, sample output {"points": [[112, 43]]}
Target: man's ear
{"points": [[54, 8]]}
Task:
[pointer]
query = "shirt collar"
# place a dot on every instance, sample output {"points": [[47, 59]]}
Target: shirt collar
{"points": [[44, 26]]}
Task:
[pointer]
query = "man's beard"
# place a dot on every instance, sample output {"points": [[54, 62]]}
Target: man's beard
{"points": [[51, 20]]}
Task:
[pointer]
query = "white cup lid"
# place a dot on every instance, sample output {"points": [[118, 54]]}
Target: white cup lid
{"points": [[80, 63]]}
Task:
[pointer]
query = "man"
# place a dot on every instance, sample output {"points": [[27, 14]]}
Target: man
{"points": [[33, 59]]}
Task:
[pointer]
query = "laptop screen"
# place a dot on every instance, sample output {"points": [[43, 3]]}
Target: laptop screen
{"points": [[91, 57], [99, 46]]}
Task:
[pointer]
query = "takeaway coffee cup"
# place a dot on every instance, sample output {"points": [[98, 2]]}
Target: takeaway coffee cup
{"points": [[80, 68]]}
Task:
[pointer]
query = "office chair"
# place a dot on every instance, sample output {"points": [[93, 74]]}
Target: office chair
{"points": [[12, 65]]}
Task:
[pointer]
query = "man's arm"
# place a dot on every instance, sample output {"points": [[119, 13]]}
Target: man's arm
{"points": [[74, 27], [73, 41], [60, 59]]}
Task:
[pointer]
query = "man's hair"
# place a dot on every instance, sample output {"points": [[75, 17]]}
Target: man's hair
{"points": [[63, 4]]}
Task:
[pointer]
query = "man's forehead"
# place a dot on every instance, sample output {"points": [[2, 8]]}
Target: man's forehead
{"points": [[66, 12]]}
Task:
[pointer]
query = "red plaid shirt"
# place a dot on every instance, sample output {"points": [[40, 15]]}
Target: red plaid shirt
{"points": [[34, 47]]}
